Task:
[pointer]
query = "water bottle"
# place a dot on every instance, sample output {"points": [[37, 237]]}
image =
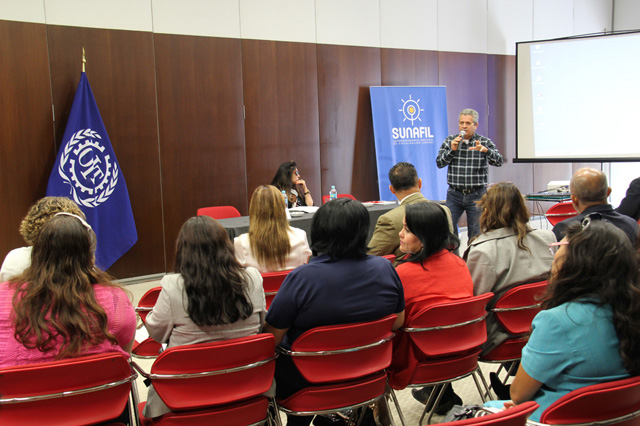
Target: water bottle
{"points": [[284, 195], [333, 194]]}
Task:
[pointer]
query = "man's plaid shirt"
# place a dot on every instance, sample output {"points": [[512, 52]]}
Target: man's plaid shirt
{"points": [[468, 169]]}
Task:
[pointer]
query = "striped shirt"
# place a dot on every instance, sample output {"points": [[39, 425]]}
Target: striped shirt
{"points": [[468, 169]]}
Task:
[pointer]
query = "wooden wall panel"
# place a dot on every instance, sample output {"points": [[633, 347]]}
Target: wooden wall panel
{"points": [[121, 73], [465, 75], [27, 150], [502, 119], [347, 150], [281, 106], [201, 127], [402, 67]]}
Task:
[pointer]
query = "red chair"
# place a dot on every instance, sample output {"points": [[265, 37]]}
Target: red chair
{"points": [[448, 338], [514, 416], [515, 311], [216, 383], [326, 198], [148, 348], [219, 212], [390, 257], [346, 365], [560, 211], [271, 282], [602, 404], [85, 390]]}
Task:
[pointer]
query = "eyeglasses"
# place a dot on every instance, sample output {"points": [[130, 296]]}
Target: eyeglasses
{"points": [[553, 247], [297, 173]]}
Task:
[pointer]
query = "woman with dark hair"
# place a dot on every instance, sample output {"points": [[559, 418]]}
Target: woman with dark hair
{"points": [[507, 253], [341, 285], [210, 297], [271, 244], [44, 209], [288, 179], [430, 274], [62, 305], [589, 329]]}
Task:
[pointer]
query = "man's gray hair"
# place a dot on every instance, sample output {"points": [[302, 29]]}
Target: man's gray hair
{"points": [[589, 186], [472, 112]]}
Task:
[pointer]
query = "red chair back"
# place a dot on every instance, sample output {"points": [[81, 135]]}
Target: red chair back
{"points": [[219, 212], [514, 416], [39, 388], [560, 211], [271, 282], [598, 403], [147, 302], [326, 198], [344, 352], [390, 257], [208, 374], [450, 328], [516, 308]]}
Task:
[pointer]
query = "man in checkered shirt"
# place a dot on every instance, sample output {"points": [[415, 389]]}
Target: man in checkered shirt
{"points": [[467, 155]]}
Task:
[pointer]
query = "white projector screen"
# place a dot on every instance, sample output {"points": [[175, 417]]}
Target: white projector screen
{"points": [[575, 98]]}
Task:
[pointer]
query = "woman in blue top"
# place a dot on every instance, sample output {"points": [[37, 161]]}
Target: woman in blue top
{"points": [[589, 329]]}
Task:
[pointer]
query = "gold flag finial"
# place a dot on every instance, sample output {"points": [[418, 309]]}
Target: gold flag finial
{"points": [[84, 60]]}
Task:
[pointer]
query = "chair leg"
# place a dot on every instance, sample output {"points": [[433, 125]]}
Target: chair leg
{"points": [[397, 404], [440, 391], [135, 415], [483, 393], [274, 415]]}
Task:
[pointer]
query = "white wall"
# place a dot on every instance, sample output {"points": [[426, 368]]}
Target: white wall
{"points": [[476, 26]]}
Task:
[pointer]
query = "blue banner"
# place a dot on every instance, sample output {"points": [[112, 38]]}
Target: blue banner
{"points": [[410, 124], [86, 170]]}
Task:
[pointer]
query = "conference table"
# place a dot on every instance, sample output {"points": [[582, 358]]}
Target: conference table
{"points": [[239, 225]]}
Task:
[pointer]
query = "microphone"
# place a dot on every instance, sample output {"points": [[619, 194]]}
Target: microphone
{"points": [[462, 133]]}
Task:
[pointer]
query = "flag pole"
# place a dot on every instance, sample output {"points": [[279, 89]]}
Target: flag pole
{"points": [[84, 60]]}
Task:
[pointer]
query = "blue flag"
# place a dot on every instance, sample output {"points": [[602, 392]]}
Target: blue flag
{"points": [[87, 171]]}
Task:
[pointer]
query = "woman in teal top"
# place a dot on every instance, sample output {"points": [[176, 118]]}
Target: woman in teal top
{"points": [[589, 329]]}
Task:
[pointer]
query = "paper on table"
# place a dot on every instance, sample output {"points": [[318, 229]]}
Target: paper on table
{"points": [[305, 209]]}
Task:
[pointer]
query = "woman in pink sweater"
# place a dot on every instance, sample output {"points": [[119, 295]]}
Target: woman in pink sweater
{"points": [[62, 305]]}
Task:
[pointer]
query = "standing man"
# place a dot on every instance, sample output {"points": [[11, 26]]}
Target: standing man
{"points": [[467, 155]]}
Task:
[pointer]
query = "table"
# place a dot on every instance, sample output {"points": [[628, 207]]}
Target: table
{"points": [[239, 225]]}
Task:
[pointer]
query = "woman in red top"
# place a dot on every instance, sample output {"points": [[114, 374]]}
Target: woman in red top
{"points": [[430, 274]]}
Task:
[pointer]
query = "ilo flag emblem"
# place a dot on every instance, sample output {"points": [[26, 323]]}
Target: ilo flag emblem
{"points": [[86, 170]]}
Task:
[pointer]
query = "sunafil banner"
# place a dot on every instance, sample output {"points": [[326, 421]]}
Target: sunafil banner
{"points": [[410, 124]]}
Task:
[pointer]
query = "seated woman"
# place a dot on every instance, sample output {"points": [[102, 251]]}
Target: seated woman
{"points": [[44, 209], [63, 306], [271, 244], [589, 329], [507, 253], [288, 179], [341, 285], [210, 297], [430, 274]]}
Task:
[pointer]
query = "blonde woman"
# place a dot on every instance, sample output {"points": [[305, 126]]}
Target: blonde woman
{"points": [[271, 244]]}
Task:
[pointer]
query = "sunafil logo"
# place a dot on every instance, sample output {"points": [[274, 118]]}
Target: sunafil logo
{"points": [[411, 111]]}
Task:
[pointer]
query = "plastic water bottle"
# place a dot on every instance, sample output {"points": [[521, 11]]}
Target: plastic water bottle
{"points": [[333, 194], [284, 195]]}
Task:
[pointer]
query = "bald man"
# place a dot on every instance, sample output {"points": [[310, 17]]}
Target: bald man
{"points": [[589, 193]]}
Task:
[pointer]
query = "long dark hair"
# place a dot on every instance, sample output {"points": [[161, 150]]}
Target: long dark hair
{"points": [[600, 264], [429, 223], [282, 179], [503, 207], [54, 297], [214, 281]]}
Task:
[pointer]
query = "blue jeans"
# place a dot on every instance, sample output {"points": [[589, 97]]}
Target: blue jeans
{"points": [[459, 203]]}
